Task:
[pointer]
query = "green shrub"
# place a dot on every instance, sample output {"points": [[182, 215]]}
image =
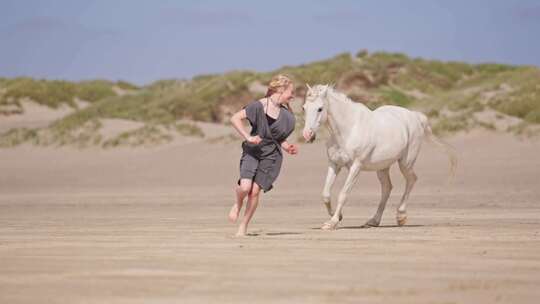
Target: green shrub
{"points": [[94, 90], [533, 116], [362, 54], [189, 129], [523, 103], [386, 58], [319, 72], [164, 84], [144, 136], [126, 85], [493, 68], [450, 125], [395, 97], [16, 136], [51, 93]]}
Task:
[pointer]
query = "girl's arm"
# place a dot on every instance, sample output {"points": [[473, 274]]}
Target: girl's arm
{"points": [[236, 121], [290, 148]]}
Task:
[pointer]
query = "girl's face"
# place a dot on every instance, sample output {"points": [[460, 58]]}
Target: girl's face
{"points": [[287, 94]]}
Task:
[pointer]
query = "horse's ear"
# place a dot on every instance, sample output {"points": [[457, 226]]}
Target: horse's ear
{"points": [[325, 90], [308, 86]]}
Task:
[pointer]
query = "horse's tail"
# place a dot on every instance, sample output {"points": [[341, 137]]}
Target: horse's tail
{"points": [[448, 149]]}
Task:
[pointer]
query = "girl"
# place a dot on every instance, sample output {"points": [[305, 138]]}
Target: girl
{"points": [[272, 121]]}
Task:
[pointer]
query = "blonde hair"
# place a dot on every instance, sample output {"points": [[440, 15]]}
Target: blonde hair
{"points": [[278, 81]]}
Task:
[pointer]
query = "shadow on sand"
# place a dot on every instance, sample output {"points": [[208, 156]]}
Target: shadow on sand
{"points": [[371, 227], [381, 226], [282, 233]]}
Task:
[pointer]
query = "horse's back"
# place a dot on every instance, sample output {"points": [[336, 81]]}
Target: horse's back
{"points": [[396, 129], [401, 118]]}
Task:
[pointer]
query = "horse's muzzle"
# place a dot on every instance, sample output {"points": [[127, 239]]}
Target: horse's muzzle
{"points": [[309, 136]]}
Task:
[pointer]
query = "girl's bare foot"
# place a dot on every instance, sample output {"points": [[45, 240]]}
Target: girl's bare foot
{"points": [[241, 231], [234, 213]]}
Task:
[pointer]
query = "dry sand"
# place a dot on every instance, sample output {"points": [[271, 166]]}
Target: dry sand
{"points": [[35, 116], [148, 225]]}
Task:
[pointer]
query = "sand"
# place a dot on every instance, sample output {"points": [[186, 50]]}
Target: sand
{"points": [[149, 225]]}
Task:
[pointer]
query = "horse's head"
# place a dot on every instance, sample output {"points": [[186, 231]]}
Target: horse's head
{"points": [[315, 110]]}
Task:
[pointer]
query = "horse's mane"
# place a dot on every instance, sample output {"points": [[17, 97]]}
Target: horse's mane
{"points": [[339, 95], [343, 97]]}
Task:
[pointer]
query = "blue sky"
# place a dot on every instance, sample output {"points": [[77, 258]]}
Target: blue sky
{"points": [[142, 40]]}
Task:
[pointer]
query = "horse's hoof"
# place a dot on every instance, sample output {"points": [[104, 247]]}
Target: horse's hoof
{"points": [[370, 224], [401, 219], [329, 226]]}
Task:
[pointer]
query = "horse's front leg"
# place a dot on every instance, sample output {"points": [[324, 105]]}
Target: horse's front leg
{"points": [[342, 198], [333, 171]]}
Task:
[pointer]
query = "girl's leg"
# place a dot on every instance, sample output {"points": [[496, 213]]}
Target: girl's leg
{"points": [[242, 191], [253, 201]]}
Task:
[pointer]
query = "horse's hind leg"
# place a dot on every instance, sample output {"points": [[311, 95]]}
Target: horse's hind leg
{"points": [[410, 179], [386, 188]]}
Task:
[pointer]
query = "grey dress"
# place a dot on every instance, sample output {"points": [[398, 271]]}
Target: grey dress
{"points": [[263, 167]]}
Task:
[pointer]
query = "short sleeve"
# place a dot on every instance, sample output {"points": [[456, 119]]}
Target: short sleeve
{"points": [[251, 111], [288, 125]]}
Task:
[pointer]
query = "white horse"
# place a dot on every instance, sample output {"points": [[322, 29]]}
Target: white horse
{"points": [[361, 139]]}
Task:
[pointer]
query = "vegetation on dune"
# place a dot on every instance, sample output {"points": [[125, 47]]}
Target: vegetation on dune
{"points": [[523, 102], [201, 98], [124, 85], [50, 93], [17, 136], [93, 90], [325, 71], [189, 129], [53, 93], [152, 134], [450, 93], [147, 135], [395, 97]]}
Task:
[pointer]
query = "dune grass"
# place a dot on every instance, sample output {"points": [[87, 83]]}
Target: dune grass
{"points": [[386, 78], [147, 135], [53, 93]]}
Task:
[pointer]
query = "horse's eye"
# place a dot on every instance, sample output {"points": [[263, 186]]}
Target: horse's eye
{"points": [[319, 110]]}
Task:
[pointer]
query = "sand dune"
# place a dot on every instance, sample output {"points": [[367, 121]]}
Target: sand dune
{"points": [[34, 116]]}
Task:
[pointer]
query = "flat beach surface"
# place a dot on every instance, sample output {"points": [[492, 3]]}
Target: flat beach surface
{"points": [[149, 225]]}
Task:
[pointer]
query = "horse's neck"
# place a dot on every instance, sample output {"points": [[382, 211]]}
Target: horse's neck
{"points": [[342, 116]]}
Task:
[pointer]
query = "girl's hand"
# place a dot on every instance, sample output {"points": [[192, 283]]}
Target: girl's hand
{"points": [[292, 149], [254, 139]]}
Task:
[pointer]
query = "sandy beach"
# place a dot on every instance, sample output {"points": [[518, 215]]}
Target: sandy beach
{"points": [[149, 225]]}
